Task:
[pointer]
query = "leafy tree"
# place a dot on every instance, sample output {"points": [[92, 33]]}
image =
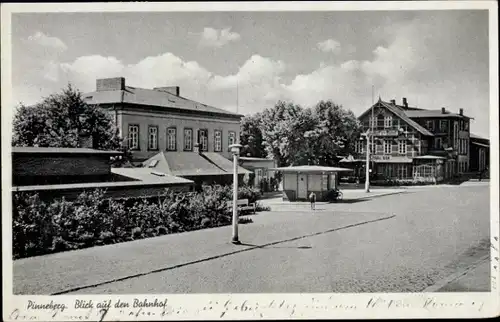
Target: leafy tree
{"points": [[296, 136], [64, 120], [251, 136]]}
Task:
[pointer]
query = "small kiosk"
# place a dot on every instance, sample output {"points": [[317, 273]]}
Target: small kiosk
{"points": [[300, 181]]}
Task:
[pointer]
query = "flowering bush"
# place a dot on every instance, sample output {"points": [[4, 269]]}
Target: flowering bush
{"points": [[41, 227]]}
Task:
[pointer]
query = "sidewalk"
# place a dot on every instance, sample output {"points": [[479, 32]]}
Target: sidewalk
{"points": [[474, 279], [74, 270], [350, 195]]}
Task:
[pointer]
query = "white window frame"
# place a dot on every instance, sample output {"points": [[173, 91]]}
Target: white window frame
{"points": [[152, 137], [402, 148], [188, 139], [231, 138], [203, 139], [438, 143], [218, 141], [443, 124], [388, 121], [171, 139], [402, 171], [387, 146], [430, 125], [133, 136], [360, 146]]}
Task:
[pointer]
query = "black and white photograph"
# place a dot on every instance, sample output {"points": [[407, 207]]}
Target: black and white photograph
{"points": [[250, 160]]}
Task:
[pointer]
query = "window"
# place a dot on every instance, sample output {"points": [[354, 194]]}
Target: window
{"points": [[371, 122], [188, 139], [388, 170], [466, 125], [430, 125], [388, 121], [387, 147], [203, 139], [218, 140], [171, 139], [153, 138], [373, 147], [443, 125], [359, 146], [402, 147], [133, 137], [438, 144], [232, 137], [402, 171], [380, 121]]}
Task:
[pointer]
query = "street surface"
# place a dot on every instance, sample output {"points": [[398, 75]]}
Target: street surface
{"points": [[394, 243]]}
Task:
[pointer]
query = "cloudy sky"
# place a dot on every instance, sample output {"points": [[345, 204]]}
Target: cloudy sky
{"points": [[433, 58]]}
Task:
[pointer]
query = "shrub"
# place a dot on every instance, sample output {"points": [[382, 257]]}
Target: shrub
{"points": [[137, 233], [161, 230], [41, 227], [260, 207], [107, 237]]}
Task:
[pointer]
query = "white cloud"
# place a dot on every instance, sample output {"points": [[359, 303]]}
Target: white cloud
{"points": [[329, 45], [44, 40], [211, 37], [399, 67]]}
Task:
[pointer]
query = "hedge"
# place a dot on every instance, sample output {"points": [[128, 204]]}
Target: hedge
{"points": [[42, 227]]}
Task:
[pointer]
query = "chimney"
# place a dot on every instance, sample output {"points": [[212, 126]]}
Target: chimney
{"points": [[461, 111], [443, 110], [196, 148], [110, 84], [175, 90], [393, 102], [405, 102]]}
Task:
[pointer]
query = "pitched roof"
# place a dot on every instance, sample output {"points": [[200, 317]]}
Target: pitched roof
{"points": [[402, 114], [50, 150], [149, 176], [254, 159], [152, 97], [191, 164], [432, 113]]}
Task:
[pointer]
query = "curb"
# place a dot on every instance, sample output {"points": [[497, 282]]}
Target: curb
{"points": [[354, 198], [379, 195], [453, 277]]}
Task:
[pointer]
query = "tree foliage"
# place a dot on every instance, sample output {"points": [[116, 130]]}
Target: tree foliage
{"points": [[251, 136], [64, 120], [293, 135]]}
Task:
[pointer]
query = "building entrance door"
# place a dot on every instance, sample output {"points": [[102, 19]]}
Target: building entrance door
{"points": [[302, 187]]}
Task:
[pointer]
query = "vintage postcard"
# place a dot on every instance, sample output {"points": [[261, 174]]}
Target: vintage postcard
{"points": [[250, 160]]}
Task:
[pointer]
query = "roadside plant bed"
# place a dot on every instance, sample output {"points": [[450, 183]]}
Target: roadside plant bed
{"points": [[402, 182], [41, 227]]}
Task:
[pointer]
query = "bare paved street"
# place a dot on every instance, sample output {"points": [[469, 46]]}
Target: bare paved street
{"points": [[395, 243]]}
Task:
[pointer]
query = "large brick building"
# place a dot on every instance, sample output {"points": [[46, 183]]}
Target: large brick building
{"points": [[160, 119], [413, 143]]}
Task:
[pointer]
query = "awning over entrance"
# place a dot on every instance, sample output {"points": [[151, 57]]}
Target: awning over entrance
{"points": [[429, 157], [480, 144]]}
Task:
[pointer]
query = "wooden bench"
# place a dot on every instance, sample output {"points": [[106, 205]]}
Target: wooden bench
{"points": [[242, 204]]}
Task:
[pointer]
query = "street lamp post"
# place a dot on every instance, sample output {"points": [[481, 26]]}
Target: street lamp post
{"points": [[367, 178], [235, 149]]}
